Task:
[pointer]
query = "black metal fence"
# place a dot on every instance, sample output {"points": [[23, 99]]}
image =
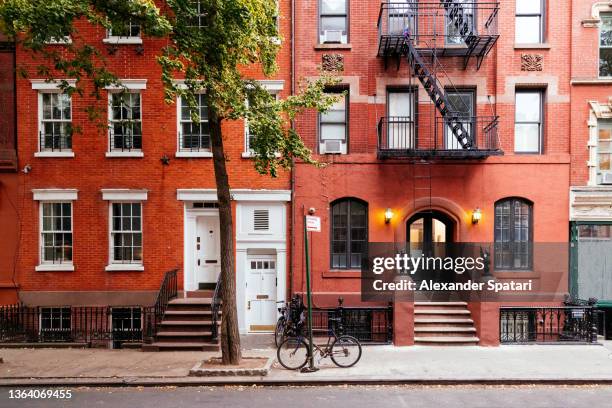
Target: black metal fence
{"points": [[563, 324], [368, 324]]}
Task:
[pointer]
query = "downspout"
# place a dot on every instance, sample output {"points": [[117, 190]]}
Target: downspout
{"points": [[292, 186]]}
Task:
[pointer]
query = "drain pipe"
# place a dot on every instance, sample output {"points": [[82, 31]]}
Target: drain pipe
{"points": [[292, 185]]}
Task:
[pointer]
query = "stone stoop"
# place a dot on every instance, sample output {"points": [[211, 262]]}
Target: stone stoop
{"points": [[186, 326], [443, 324]]}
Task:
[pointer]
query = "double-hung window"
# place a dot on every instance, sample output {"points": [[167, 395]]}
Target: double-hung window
{"points": [[333, 21], [197, 18], [56, 233], [605, 46], [194, 136], [333, 127], [125, 122], [528, 125], [55, 122], [249, 135], [128, 33], [126, 233], [604, 151], [529, 27], [401, 118]]}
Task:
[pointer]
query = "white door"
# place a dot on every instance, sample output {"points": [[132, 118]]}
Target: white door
{"points": [[207, 258], [261, 293]]}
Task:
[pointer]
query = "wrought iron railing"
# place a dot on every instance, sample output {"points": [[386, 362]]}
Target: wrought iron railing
{"points": [[369, 324], [55, 142], [194, 142], [216, 306], [167, 291], [90, 325], [563, 324], [421, 134], [125, 141]]}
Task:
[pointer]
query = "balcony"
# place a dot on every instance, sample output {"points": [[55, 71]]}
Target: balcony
{"points": [[445, 28], [427, 137]]}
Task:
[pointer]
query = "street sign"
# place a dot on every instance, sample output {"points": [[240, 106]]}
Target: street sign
{"points": [[313, 223]]}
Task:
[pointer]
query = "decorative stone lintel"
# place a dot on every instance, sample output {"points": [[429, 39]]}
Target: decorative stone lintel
{"points": [[333, 62], [532, 62]]}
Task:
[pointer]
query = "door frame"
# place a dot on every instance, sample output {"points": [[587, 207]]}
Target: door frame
{"points": [[446, 219], [190, 231], [249, 258]]}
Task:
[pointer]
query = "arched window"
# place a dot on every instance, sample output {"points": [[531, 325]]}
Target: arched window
{"points": [[513, 234], [349, 233]]}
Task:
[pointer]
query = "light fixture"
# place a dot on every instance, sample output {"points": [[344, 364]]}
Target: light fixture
{"points": [[476, 215], [388, 215]]}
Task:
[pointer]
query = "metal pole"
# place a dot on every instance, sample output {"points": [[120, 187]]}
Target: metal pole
{"points": [[311, 368]]}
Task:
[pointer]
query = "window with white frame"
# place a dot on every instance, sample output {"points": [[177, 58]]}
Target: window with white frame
{"points": [[528, 125], [605, 46], [126, 233], [125, 117], [333, 126], [333, 21], [56, 232], [55, 129], [529, 27], [55, 324], [248, 135], [194, 136], [124, 33], [604, 151], [198, 17]]}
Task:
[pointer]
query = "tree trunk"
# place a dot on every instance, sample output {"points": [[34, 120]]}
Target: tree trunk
{"points": [[230, 337]]}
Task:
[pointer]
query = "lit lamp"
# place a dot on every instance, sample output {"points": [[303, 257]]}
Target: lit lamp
{"points": [[388, 215], [476, 215]]}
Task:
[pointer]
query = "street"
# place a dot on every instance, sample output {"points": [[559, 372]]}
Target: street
{"points": [[330, 396]]}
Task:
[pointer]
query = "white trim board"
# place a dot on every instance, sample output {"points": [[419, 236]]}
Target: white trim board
{"points": [[55, 194], [131, 84], [210, 194], [44, 85], [124, 194]]}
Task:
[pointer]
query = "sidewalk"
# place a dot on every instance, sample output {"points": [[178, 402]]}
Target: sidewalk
{"points": [[506, 364]]}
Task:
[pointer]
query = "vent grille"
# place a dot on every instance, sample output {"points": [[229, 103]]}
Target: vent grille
{"points": [[261, 220]]}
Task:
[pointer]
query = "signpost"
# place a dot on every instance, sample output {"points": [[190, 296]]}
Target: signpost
{"points": [[311, 223]]}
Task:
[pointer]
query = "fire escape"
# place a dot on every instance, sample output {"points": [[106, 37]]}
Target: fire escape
{"points": [[423, 33]]}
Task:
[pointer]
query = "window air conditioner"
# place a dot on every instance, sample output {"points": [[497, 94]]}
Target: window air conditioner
{"points": [[606, 178], [332, 36], [331, 147]]}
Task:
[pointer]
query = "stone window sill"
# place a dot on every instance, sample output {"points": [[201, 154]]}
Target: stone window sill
{"points": [[124, 267], [122, 40], [193, 154], [67, 267], [54, 154], [539, 46], [124, 154], [332, 47]]}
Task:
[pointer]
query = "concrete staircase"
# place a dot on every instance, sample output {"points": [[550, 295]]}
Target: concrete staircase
{"points": [[186, 326], [443, 324]]}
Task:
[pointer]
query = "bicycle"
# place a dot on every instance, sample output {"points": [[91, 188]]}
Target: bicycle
{"points": [[344, 350], [290, 321], [281, 325]]}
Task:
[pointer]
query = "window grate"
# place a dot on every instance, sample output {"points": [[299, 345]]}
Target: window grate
{"points": [[261, 220]]}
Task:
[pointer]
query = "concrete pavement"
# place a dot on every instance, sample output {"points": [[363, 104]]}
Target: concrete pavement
{"points": [[508, 364]]}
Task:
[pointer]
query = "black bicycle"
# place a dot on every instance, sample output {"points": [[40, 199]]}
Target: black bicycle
{"points": [[290, 322], [344, 350], [281, 325]]}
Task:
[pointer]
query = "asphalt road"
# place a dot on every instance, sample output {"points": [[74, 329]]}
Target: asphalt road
{"points": [[336, 397]]}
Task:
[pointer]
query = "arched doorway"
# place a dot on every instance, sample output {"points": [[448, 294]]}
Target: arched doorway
{"points": [[430, 227]]}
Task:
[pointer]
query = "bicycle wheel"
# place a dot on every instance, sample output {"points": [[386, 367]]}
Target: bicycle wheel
{"points": [[293, 353], [279, 333], [345, 351]]}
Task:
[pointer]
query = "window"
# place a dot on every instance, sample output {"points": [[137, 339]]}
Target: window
{"points": [[126, 232], [55, 122], [56, 233], [453, 28], [333, 21], [604, 148], [349, 233], [461, 102], [124, 31], [126, 325], [55, 324], [333, 129], [605, 46], [528, 122], [529, 27], [513, 234], [401, 127], [194, 136], [125, 121], [198, 18], [248, 135]]}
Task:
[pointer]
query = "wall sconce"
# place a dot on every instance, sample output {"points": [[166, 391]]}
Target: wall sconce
{"points": [[476, 215], [388, 215]]}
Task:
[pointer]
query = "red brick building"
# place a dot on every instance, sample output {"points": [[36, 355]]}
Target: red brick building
{"points": [[504, 71]]}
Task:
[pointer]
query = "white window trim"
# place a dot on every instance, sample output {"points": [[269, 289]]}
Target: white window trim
{"points": [[133, 86], [49, 86], [41, 92], [130, 84], [47, 266], [124, 194], [55, 194], [122, 40], [193, 154], [186, 154], [210, 194], [274, 87], [117, 266]]}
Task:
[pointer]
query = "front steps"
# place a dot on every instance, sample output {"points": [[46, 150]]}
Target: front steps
{"points": [[186, 326], [443, 324]]}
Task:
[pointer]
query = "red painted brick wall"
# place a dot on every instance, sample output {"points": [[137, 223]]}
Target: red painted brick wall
{"points": [[89, 171]]}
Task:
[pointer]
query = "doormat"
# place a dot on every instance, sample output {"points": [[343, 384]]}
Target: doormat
{"points": [[249, 366]]}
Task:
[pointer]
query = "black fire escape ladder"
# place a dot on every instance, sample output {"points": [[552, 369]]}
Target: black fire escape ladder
{"points": [[436, 92]]}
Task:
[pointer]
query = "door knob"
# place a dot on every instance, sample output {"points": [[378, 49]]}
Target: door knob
{"points": [[249, 305]]}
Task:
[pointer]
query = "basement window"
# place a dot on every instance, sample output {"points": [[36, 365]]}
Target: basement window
{"points": [[55, 324]]}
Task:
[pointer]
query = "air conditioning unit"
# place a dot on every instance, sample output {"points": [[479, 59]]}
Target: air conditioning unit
{"points": [[332, 36], [606, 178], [331, 147]]}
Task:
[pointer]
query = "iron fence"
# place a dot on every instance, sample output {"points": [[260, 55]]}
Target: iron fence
{"points": [[563, 324]]}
